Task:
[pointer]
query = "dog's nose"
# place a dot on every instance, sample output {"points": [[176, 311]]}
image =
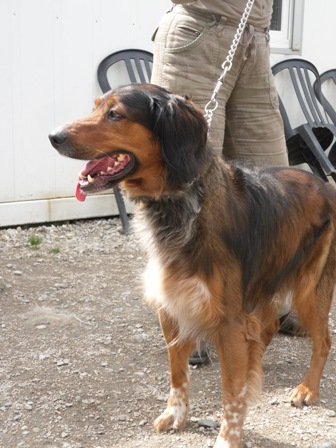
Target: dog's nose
{"points": [[57, 138]]}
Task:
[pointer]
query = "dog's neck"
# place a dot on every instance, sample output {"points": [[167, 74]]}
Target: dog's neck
{"points": [[172, 217], [170, 195], [177, 206]]}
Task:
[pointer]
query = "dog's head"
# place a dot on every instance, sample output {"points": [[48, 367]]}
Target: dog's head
{"points": [[141, 135]]}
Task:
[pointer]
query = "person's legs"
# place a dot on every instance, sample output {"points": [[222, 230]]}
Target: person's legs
{"points": [[254, 129], [188, 52]]}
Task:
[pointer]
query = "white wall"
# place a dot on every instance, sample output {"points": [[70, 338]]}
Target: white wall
{"points": [[50, 50], [319, 33]]}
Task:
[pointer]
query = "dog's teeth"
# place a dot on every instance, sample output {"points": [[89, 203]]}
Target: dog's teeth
{"points": [[90, 179], [109, 169], [121, 157]]}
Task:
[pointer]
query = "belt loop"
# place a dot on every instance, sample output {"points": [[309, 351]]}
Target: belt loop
{"points": [[251, 50], [248, 35], [220, 22]]}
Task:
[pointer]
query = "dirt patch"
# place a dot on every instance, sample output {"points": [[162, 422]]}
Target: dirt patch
{"points": [[83, 362]]}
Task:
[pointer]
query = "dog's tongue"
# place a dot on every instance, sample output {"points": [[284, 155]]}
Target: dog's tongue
{"points": [[80, 195], [92, 167]]}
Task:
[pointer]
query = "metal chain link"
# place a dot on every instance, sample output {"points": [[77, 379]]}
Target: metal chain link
{"points": [[212, 105]]}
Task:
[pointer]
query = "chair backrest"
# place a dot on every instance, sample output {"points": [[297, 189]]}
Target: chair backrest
{"points": [[326, 92], [138, 64], [304, 80]]}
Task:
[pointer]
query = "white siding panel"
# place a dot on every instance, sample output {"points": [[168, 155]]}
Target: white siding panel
{"points": [[319, 33], [32, 41], [7, 162], [73, 80], [63, 209]]}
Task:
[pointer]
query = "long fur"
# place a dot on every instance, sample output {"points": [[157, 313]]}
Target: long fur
{"points": [[226, 244]]}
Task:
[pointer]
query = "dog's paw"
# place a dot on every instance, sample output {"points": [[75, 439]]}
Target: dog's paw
{"points": [[174, 417], [176, 413], [222, 442], [303, 395]]}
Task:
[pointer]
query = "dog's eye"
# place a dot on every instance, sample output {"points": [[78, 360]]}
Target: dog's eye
{"points": [[113, 115]]}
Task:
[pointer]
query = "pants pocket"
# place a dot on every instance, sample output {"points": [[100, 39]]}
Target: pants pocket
{"points": [[179, 32]]}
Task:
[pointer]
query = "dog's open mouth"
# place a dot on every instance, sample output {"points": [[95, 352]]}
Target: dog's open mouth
{"points": [[104, 173]]}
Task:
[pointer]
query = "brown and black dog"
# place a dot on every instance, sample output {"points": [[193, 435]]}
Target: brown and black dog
{"points": [[227, 245]]}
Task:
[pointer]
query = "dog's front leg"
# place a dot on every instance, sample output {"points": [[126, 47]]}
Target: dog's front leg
{"points": [[239, 358], [176, 412]]}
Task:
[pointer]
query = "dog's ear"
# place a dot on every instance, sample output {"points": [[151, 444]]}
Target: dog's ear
{"points": [[181, 130]]}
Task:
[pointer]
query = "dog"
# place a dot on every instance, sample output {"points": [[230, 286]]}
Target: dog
{"points": [[227, 245]]}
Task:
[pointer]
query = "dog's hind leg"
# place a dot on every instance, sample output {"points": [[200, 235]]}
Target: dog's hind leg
{"points": [[176, 413], [240, 349], [313, 305], [313, 313]]}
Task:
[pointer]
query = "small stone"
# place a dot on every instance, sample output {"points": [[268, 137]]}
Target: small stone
{"points": [[61, 285], [208, 423], [331, 413], [62, 362], [18, 273]]}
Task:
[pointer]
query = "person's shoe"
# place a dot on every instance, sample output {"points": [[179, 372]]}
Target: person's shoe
{"points": [[199, 358], [290, 325]]}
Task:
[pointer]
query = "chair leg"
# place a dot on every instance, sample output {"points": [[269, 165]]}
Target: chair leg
{"points": [[318, 171], [332, 158], [122, 210], [313, 144], [313, 163], [332, 154]]}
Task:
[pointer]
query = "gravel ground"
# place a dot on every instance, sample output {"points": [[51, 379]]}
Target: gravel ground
{"points": [[83, 362]]}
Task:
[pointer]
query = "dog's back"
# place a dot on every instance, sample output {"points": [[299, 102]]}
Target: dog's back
{"points": [[270, 221]]}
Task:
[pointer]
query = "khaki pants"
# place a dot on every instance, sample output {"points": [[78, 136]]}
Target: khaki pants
{"points": [[188, 52]]}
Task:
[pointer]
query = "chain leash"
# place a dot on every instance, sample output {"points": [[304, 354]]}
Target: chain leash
{"points": [[212, 105]]}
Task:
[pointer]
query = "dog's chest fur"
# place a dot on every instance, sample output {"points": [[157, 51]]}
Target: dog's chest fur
{"points": [[166, 229], [185, 299]]}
